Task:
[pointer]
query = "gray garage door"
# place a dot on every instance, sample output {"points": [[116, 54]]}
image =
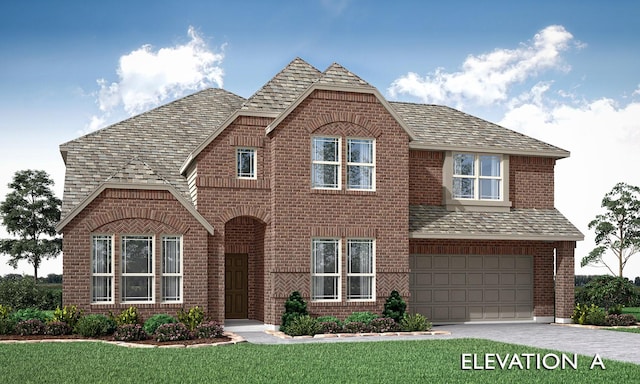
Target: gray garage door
{"points": [[450, 288]]}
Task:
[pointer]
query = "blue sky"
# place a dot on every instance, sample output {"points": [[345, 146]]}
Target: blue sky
{"points": [[564, 72]]}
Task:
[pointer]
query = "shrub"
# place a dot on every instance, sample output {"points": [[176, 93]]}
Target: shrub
{"points": [[608, 291], [620, 319], [192, 318], [22, 292], [7, 326], [157, 320], [329, 326], [394, 307], [303, 325], [95, 326], [127, 316], [208, 330], [172, 332], [5, 311], [383, 324], [356, 327], [362, 317], [588, 314], [30, 314], [68, 314], [130, 332], [57, 328], [29, 327], [295, 306], [414, 323]]}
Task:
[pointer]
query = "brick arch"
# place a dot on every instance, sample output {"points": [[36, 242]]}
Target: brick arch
{"points": [[244, 210], [119, 214], [349, 117]]}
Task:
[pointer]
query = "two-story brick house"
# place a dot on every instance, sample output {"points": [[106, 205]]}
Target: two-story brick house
{"points": [[315, 183]]}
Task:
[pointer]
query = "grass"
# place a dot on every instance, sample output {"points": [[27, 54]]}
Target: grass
{"points": [[366, 362], [635, 311], [629, 330]]}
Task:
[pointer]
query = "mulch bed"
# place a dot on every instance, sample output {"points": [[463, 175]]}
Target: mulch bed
{"points": [[110, 338]]}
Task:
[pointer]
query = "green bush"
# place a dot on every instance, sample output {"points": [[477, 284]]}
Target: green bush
{"points": [[30, 314], [68, 314], [22, 292], [7, 326], [208, 330], [192, 318], [172, 332], [5, 311], [394, 307], [588, 314], [157, 320], [383, 324], [130, 332], [356, 327], [95, 326], [414, 323], [29, 327], [303, 325], [57, 328], [329, 326], [295, 306], [362, 317], [608, 291], [324, 319], [127, 316]]}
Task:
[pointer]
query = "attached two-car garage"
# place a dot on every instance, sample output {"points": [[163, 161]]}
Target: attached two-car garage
{"points": [[463, 288]]}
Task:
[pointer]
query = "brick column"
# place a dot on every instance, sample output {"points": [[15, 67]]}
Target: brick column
{"points": [[565, 281]]}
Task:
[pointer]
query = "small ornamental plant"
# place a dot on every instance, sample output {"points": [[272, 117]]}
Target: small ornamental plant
{"points": [[130, 332], [356, 327], [383, 324], [172, 332], [303, 326], [620, 320], [415, 323], [57, 328], [208, 330], [295, 306], [153, 322], [95, 325], [127, 316], [330, 327], [30, 327], [191, 318], [394, 307], [68, 314]]}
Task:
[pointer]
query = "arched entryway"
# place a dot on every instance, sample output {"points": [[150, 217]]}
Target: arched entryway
{"points": [[244, 268]]}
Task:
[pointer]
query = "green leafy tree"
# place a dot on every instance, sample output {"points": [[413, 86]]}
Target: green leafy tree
{"points": [[618, 229], [30, 213]]}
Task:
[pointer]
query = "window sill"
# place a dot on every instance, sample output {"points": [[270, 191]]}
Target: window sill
{"points": [[478, 205]]}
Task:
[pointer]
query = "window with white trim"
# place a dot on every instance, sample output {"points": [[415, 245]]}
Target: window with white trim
{"points": [[171, 269], [361, 269], [137, 269], [246, 163], [477, 177], [102, 269], [361, 170], [325, 270], [325, 163]]}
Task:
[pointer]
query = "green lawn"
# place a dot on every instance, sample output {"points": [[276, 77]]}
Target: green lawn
{"points": [[630, 330], [367, 362], [632, 310]]}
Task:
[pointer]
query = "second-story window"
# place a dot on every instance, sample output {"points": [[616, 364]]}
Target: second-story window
{"points": [[325, 159], [360, 164], [247, 163], [477, 177]]}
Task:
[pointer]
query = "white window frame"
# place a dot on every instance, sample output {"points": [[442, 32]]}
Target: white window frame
{"points": [[109, 274], [175, 275], [371, 165], [337, 163], [254, 163], [371, 275], [337, 274], [150, 275], [477, 177]]}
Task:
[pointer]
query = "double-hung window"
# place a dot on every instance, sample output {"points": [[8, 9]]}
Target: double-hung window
{"points": [[246, 163], [172, 269], [360, 164], [137, 269], [325, 270], [325, 159], [361, 269], [477, 177], [101, 269]]}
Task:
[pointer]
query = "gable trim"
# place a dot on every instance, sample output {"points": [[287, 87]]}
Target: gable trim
{"points": [[156, 187], [557, 154], [517, 237], [316, 86]]}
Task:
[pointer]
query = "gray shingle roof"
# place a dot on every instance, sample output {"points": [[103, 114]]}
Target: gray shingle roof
{"points": [[148, 148], [440, 126], [526, 224], [338, 75]]}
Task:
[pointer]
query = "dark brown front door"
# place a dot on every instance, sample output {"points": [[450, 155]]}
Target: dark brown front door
{"points": [[236, 287]]}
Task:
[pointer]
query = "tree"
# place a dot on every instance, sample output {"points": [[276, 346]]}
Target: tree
{"points": [[30, 213], [618, 229]]}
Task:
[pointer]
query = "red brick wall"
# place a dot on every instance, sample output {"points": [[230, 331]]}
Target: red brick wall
{"points": [[531, 182], [542, 253], [425, 183], [565, 282], [127, 212]]}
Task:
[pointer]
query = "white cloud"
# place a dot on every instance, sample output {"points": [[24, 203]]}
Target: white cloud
{"points": [[148, 77], [486, 78]]}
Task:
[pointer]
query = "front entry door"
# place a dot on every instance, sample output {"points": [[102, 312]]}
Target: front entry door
{"points": [[236, 287]]}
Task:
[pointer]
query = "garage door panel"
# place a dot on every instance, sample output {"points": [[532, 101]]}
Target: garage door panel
{"points": [[472, 287]]}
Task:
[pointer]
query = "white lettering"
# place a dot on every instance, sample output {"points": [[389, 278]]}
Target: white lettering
{"points": [[465, 361], [597, 360], [573, 363], [476, 366], [515, 360], [501, 362], [528, 356], [550, 356], [489, 361]]}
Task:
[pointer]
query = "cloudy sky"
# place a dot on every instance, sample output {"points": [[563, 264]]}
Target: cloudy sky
{"points": [[564, 72]]}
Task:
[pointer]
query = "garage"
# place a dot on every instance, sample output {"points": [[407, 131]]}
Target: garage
{"points": [[467, 288]]}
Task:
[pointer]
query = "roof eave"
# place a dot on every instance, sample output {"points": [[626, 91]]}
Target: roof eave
{"points": [[326, 87], [498, 236], [557, 154], [157, 187]]}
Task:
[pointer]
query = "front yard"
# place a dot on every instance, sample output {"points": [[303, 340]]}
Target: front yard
{"points": [[367, 362]]}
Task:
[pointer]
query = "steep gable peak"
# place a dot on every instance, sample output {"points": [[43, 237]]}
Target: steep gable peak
{"points": [[338, 75]]}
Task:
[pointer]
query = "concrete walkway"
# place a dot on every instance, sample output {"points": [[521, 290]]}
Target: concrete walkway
{"points": [[621, 346]]}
